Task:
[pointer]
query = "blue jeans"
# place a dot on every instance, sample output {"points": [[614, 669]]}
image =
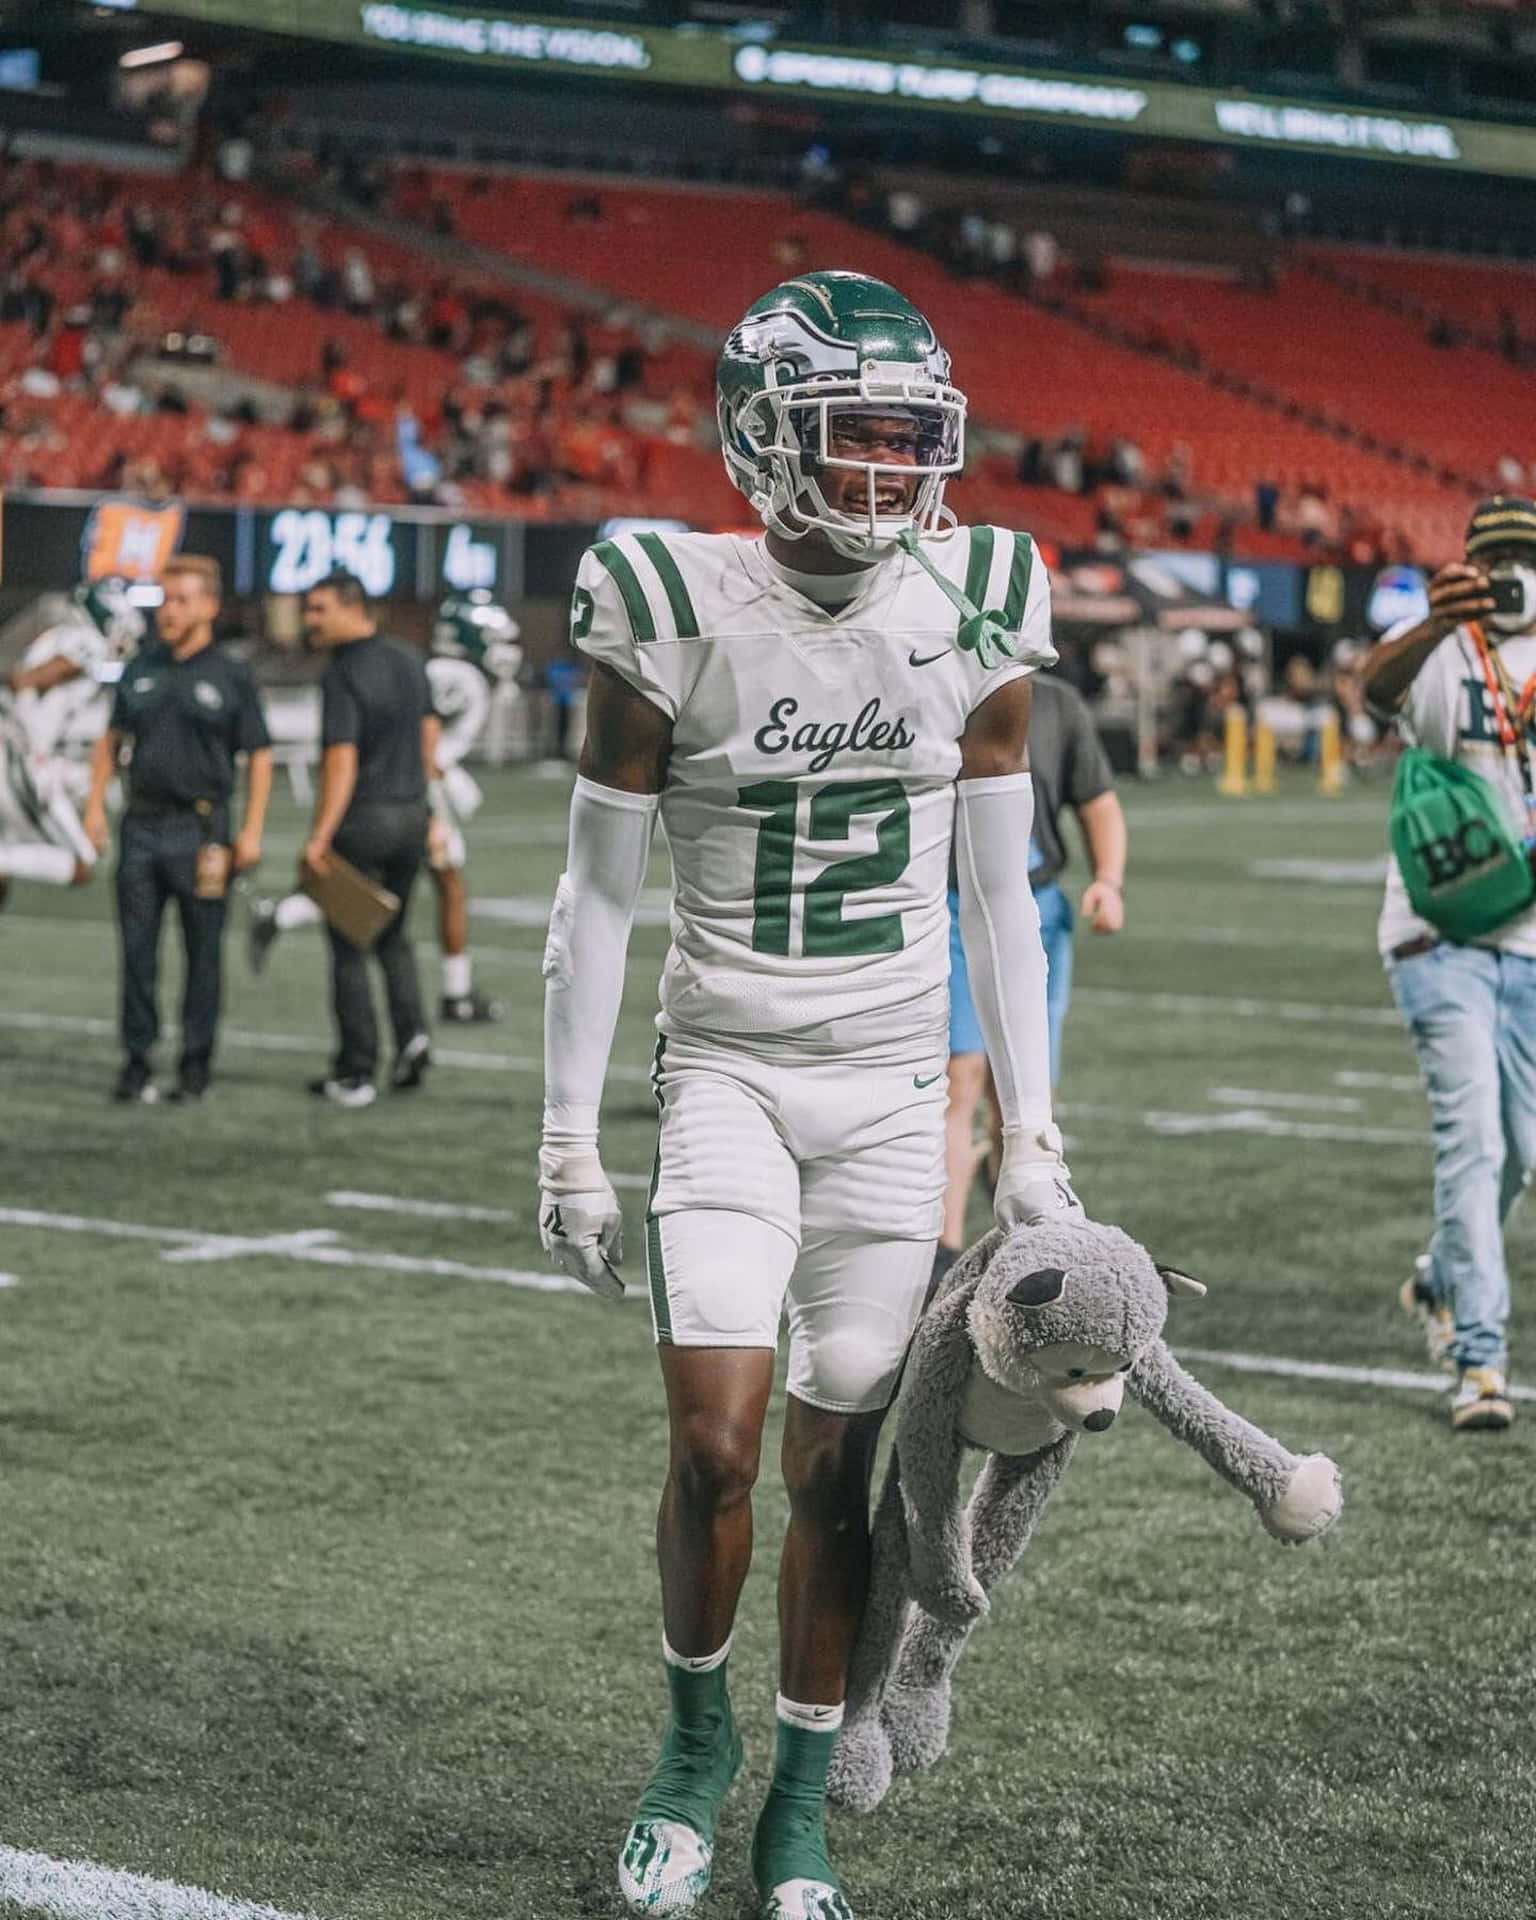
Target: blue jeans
{"points": [[965, 1034], [1472, 1014]]}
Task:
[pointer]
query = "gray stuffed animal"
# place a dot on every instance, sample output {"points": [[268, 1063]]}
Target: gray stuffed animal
{"points": [[1034, 1338]]}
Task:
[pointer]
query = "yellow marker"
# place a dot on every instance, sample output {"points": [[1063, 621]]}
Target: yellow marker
{"points": [[1234, 772], [1263, 757], [1331, 771]]}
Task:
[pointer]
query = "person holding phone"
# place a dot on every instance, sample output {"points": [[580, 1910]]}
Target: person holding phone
{"points": [[1461, 682]]}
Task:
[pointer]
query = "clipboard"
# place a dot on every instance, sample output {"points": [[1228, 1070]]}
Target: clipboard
{"points": [[357, 907]]}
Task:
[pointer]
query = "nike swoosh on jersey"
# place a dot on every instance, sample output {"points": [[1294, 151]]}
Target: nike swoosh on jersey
{"points": [[919, 1081], [926, 659]]}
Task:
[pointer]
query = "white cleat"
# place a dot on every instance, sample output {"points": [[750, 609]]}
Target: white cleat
{"points": [[806, 1900], [664, 1867]]}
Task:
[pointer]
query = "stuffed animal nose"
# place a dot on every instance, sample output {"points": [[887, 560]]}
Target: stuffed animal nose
{"points": [[1100, 1419]]}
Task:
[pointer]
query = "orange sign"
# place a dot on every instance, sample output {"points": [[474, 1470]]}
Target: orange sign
{"points": [[128, 540]]}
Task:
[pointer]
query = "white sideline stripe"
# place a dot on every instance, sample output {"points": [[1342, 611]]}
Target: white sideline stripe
{"points": [[1203, 1006], [1379, 1082], [1323, 1370], [1256, 1120], [1193, 1005], [1284, 1102], [9, 1280], [319, 1045], [313, 1251], [77, 1890], [449, 1209]]}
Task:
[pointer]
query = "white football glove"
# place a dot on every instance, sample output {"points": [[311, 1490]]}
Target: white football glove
{"points": [[579, 1220], [1033, 1183]]}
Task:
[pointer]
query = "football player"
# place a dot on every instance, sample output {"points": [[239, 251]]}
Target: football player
{"points": [[474, 648], [59, 692], [813, 715]]}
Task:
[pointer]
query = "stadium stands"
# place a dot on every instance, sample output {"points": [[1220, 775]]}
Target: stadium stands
{"points": [[389, 372]]}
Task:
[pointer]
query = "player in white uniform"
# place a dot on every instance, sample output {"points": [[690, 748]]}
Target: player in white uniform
{"points": [[474, 646], [59, 692], [812, 715]]}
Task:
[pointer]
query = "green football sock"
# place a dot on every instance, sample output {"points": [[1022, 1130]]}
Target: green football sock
{"points": [[700, 1752], [791, 1838]]}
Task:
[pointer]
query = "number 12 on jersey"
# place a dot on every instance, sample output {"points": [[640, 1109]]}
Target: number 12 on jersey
{"points": [[833, 809]]}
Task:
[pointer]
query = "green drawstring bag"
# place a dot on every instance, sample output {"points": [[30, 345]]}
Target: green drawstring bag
{"points": [[1464, 865]]}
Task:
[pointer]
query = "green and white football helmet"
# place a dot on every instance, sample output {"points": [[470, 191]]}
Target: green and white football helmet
{"points": [[475, 627], [110, 608], [815, 348]]}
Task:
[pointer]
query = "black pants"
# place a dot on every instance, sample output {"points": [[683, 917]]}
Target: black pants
{"points": [[157, 863], [388, 841]]}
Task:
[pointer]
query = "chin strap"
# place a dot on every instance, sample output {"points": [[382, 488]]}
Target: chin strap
{"points": [[984, 634]]}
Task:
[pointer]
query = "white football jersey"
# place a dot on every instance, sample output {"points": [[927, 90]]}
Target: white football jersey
{"points": [[76, 708], [809, 798], [461, 699]]}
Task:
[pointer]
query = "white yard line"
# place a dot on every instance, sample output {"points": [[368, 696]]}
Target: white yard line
{"points": [[78, 1890], [316, 1248], [1379, 1082], [1202, 1006], [1255, 1120], [450, 1209], [469, 1060], [1285, 1102], [1414, 1382]]}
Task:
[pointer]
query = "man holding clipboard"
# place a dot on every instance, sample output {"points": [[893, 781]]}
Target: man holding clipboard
{"points": [[369, 835]]}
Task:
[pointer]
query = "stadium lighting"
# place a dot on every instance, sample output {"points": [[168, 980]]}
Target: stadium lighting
{"points": [[150, 56]]}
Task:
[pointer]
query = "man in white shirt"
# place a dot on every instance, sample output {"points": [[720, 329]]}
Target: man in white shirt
{"points": [[1462, 682]]}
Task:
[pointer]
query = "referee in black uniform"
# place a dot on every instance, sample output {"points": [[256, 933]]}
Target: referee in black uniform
{"points": [[377, 742], [187, 709]]}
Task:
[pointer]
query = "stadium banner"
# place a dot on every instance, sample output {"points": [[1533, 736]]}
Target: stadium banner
{"points": [[53, 541], [688, 57], [420, 554]]}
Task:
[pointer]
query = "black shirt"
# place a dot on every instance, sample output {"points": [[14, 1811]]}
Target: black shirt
{"points": [[187, 720], [374, 697], [1069, 765]]}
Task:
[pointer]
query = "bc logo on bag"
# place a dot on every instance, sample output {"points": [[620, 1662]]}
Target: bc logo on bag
{"points": [[1464, 865]]}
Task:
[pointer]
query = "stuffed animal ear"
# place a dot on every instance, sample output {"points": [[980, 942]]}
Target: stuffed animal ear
{"points": [[1177, 1282], [1038, 1289]]}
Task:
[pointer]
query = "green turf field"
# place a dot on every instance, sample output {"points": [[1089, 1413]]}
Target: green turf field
{"points": [[326, 1579]]}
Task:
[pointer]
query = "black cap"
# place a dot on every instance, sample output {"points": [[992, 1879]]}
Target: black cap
{"points": [[1507, 520]]}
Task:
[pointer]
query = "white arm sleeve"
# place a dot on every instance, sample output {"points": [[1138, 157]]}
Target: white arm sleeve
{"points": [[610, 845], [1000, 931]]}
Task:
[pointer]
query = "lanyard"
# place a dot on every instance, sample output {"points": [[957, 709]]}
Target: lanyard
{"points": [[1514, 734]]}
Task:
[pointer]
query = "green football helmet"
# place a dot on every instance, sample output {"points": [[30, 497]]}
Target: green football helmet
{"points": [[475, 627], [808, 354], [109, 607]]}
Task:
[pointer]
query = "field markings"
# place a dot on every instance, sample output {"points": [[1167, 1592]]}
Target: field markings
{"points": [[1379, 1082], [1257, 1120], [1413, 1382], [317, 1247], [474, 1061], [1208, 1006], [360, 1202], [1294, 1102], [79, 1890]]}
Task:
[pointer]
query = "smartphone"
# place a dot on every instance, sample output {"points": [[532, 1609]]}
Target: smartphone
{"points": [[1508, 591]]}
